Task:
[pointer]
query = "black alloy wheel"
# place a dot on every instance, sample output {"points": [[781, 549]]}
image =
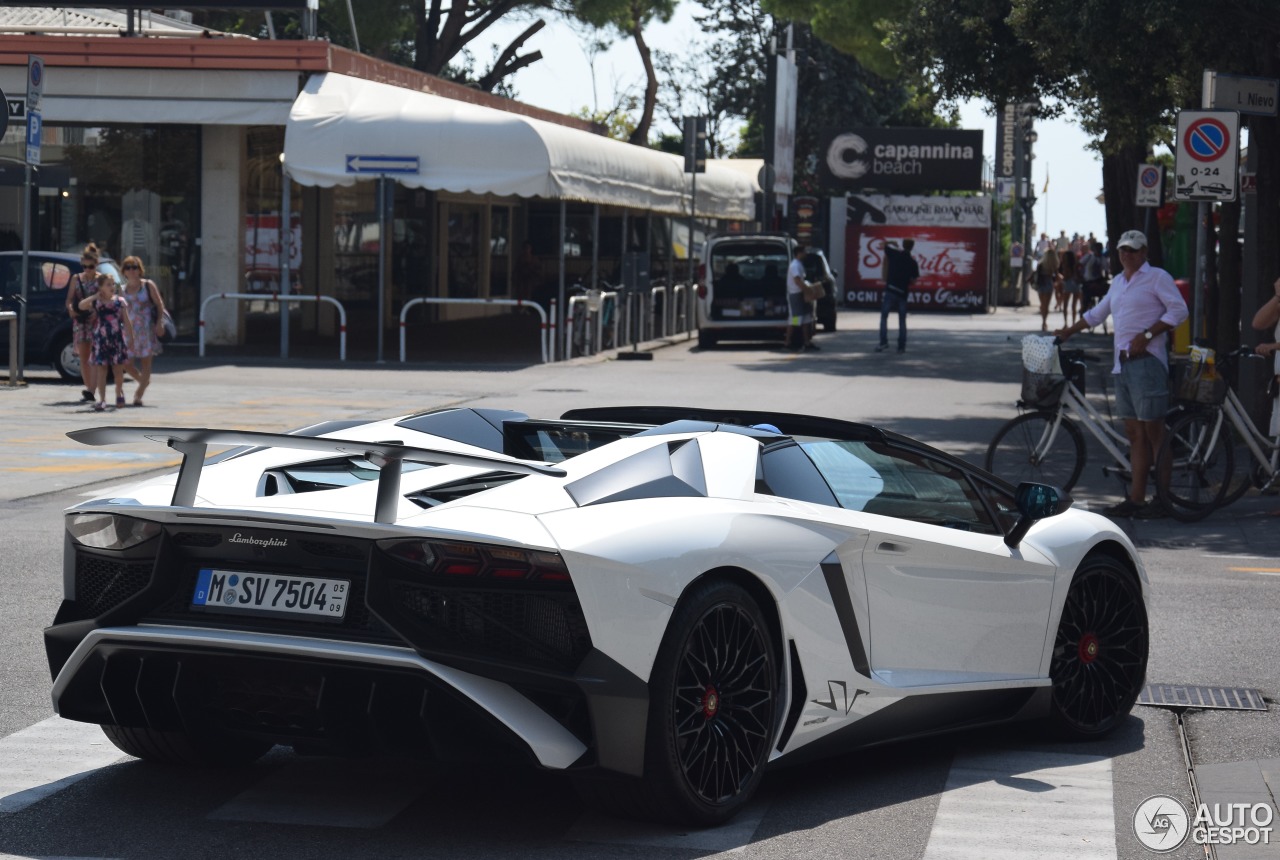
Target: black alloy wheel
{"points": [[713, 706], [1100, 652]]}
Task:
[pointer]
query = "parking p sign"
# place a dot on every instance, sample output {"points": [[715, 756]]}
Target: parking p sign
{"points": [[1208, 155]]}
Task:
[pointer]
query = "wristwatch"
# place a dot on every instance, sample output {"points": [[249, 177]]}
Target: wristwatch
{"points": [[1148, 334]]}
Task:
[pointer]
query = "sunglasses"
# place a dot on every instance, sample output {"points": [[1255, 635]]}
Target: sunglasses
{"points": [[130, 266], [89, 265]]}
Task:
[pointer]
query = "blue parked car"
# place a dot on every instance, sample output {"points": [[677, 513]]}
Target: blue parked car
{"points": [[48, 326]]}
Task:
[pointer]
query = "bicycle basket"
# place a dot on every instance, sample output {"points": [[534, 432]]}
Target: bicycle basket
{"points": [[1198, 382], [1042, 390]]}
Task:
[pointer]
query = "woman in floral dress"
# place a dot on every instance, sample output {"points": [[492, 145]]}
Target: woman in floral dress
{"points": [[146, 313], [82, 286], [112, 336]]}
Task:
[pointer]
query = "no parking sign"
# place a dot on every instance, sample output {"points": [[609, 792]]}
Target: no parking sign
{"points": [[1208, 156], [1150, 185]]}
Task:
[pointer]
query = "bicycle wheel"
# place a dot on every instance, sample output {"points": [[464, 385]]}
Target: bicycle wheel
{"points": [[1194, 466], [1244, 479], [1029, 448]]}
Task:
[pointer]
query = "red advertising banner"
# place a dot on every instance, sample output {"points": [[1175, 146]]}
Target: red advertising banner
{"points": [[951, 247]]}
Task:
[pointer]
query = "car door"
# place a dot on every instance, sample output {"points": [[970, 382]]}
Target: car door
{"points": [[46, 302], [947, 601]]}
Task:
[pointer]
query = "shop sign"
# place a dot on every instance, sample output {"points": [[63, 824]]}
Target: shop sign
{"points": [[902, 159]]}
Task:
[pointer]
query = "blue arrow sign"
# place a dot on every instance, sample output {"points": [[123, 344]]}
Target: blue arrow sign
{"points": [[382, 164]]}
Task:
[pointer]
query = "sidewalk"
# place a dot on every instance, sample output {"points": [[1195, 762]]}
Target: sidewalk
{"points": [[954, 387]]}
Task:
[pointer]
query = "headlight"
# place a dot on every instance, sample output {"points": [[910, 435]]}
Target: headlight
{"points": [[110, 531]]}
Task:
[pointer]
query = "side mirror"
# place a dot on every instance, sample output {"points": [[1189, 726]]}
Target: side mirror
{"points": [[1035, 502]]}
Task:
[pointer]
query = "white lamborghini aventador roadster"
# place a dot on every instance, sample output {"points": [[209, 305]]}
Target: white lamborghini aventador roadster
{"points": [[663, 602]]}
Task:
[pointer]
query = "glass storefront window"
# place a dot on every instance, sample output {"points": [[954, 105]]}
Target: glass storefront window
{"points": [[500, 252], [129, 189]]}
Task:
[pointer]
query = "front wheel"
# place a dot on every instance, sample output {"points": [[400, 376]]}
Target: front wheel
{"points": [[1031, 448], [66, 360], [1194, 466], [1099, 658]]}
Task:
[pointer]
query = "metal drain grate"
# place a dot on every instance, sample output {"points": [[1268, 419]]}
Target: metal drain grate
{"points": [[1185, 696]]}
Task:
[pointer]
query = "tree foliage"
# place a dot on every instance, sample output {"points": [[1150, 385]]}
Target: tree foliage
{"points": [[630, 18], [857, 28]]}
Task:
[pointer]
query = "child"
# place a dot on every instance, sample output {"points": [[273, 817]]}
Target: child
{"points": [[112, 337]]}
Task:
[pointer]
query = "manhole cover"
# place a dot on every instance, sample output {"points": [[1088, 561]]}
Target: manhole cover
{"points": [[1185, 696]]}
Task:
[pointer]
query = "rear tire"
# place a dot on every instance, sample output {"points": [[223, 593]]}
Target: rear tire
{"points": [[1099, 659], [713, 709], [1199, 467], [182, 748]]}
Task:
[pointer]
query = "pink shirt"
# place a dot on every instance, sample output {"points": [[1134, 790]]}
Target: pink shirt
{"points": [[1135, 305]]}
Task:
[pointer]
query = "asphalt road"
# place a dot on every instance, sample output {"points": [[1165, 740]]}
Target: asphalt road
{"points": [[1215, 595]]}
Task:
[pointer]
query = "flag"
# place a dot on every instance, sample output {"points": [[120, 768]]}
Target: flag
{"points": [[1046, 180]]}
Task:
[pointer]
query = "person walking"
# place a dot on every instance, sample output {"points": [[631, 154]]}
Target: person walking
{"points": [[1069, 275], [146, 319], [1046, 283], [1093, 274], [901, 271], [798, 329], [1144, 304], [112, 334], [83, 285], [1268, 317]]}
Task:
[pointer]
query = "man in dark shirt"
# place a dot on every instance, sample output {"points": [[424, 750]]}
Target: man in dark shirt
{"points": [[901, 271]]}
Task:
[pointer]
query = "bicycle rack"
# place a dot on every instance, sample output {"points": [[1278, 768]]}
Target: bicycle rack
{"points": [[515, 303], [276, 297]]}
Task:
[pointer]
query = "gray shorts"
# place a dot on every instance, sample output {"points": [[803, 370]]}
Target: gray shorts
{"points": [[1142, 389], [1071, 286], [800, 313]]}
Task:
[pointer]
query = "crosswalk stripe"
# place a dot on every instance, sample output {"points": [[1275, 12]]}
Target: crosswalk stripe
{"points": [[47, 757], [1025, 805]]}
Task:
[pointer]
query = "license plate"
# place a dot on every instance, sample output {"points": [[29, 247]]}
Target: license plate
{"points": [[270, 594]]}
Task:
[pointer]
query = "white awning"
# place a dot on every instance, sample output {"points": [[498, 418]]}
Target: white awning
{"points": [[341, 126]]}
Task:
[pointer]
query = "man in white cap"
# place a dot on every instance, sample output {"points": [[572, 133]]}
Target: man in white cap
{"points": [[1145, 305]]}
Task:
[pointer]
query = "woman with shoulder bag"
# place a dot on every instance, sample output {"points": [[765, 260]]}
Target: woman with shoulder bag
{"points": [[84, 285], [146, 317]]}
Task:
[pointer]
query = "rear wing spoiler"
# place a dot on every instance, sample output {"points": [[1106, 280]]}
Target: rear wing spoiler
{"points": [[193, 444]]}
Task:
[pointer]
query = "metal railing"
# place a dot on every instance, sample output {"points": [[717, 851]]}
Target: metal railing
{"points": [[592, 323], [546, 329], [12, 318], [276, 297]]}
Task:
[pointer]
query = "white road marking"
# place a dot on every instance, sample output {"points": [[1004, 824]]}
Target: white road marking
{"points": [[47, 757], [328, 792], [1025, 805]]}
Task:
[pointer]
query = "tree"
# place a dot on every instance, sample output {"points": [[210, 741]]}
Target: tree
{"points": [[856, 28], [630, 17], [433, 36]]}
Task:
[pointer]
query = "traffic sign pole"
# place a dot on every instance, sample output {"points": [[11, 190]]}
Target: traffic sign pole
{"points": [[35, 99]]}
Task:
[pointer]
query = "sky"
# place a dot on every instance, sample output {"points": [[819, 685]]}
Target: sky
{"points": [[562, 81]]}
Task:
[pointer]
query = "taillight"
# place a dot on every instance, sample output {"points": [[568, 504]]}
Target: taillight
{"points": [[110, 531], [702, 272], [702, 291], [455, 560]]}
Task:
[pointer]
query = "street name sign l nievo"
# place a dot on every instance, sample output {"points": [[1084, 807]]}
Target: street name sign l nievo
{"points": [[377, 164], [1246, 94], [1207, 160]]}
